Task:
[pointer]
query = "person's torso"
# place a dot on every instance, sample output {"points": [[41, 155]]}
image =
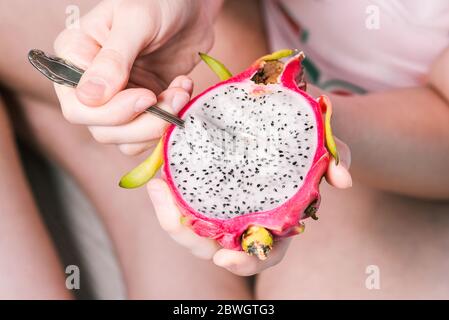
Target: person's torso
{"points": [[354, 46]]}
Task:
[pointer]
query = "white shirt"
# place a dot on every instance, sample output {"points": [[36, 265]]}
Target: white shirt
{"points": [[361, 45]]}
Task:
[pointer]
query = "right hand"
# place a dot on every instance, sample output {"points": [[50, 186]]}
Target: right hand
{"points": [[131, 50], [237, 262]]}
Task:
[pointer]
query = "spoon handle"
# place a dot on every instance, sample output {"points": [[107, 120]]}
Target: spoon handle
{"points": [[66, 73]]}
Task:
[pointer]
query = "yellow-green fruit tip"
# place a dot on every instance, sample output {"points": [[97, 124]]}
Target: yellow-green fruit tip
{"points": [[146, 170], [216, 66]]}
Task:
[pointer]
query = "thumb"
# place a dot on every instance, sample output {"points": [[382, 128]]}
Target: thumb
{"points": [[109, 71], [339, 176]]}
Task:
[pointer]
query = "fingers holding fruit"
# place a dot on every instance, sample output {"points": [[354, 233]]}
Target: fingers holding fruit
{"points": [[170, 219], [251, 199], [242, 264], [338, 175]]}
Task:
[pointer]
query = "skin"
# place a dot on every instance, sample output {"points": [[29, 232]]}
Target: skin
{"points": [[405, 241], [29, 264], [111, 106], [417, 165], [150, 270]]}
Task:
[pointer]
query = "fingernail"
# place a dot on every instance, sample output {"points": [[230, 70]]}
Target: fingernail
{"points": [[187, 84], [346, 178], [142, 104], [179, 101], [349, 181], [222, 263], [94, 88]]}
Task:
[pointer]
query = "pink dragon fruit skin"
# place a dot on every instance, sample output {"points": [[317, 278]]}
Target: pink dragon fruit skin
{"points": [[282, 221]]}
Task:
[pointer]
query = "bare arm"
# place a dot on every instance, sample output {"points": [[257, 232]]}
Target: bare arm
{"points": [[400, 139], [29, 268]]}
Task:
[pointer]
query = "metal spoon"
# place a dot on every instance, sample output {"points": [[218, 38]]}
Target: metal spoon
{"points": [[64, 72]]}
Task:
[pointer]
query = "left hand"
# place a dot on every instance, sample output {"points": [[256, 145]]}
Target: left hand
{"points": [[238, 262]]}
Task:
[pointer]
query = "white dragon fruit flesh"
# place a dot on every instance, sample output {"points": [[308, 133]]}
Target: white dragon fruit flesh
{"points": [[250, 158]]}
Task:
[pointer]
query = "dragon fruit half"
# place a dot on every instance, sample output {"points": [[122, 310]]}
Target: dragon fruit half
{"points": [[246, 168]]}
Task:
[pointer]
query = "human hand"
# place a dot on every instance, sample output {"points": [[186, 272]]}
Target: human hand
{"points": [[121, 120], [131, 51], [238, 262]]}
